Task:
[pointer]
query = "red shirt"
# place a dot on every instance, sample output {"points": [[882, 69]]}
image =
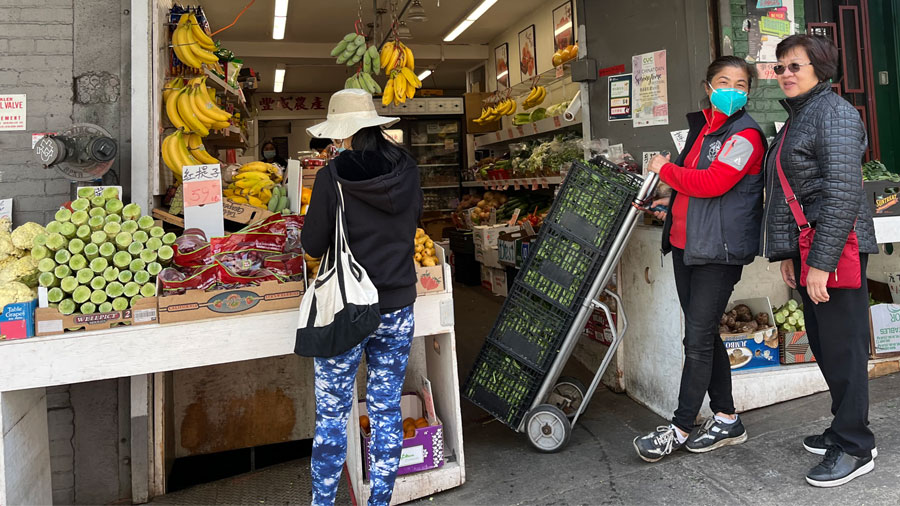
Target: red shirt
{"points": [[722, 174]]}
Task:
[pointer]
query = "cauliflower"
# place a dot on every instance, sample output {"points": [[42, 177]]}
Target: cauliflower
{"points": [[7, 248], [23, 236], [17, 270], [5, 226], [13, 292]]}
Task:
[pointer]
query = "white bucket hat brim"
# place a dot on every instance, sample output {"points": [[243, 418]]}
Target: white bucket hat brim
{"points": [[349, 111]]}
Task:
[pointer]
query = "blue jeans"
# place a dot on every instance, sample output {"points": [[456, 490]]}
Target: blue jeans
{"points": [[387, 352]]}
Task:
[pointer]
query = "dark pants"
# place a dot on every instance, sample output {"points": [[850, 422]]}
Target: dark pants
{"points": [[838, 332], [703, 291]]}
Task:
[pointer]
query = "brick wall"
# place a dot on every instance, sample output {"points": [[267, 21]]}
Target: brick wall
{"points": [[36, 59], [764, 97], [61, 426]]}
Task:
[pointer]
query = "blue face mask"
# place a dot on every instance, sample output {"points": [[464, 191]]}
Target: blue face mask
{"points": [[339, 146], [728, 100], [268, 154]]}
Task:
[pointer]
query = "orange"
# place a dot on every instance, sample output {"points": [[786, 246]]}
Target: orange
{"points": [[364, 423], [421, 423]]}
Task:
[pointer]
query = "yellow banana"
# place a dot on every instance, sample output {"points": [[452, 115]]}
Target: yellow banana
{"points": [[410, 91], [246, 183], [211, 108], [386, 51], [228, 193], [219, 125], [411, 77], [261, 185], [388, 95], [410, 60], [203, 55], [180, 45], [200, 36], [265, 195], [250, 175], [168, 160], [238, 200], [188, 115], [399, 87], [176, 83], [192, 103], [198, 150], [172, 109], [393, 61], [253, 201], [254, 167], [184, 151]]}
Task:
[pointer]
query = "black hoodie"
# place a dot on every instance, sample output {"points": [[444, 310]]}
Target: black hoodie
{"points": [[383, 204]]}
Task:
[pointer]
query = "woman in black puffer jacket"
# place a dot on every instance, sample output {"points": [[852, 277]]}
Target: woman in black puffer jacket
{"points": [[823, 145]]}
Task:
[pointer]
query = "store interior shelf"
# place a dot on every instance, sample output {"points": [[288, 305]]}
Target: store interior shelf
{"points": [[528, 182], [231, 138], [427, 144], [541, 127], [440, 186], [220, 84], [545, 79]]}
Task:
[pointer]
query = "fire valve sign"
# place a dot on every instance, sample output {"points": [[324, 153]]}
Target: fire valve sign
{"points": [[12, 112]]}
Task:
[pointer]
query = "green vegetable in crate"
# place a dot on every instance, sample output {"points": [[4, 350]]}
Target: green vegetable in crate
{"points": [[789, 317]]}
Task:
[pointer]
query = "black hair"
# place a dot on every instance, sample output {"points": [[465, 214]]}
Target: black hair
{"points": [[318, 144], [262, 147], [374, 139], [822, 53], [723, 62]]}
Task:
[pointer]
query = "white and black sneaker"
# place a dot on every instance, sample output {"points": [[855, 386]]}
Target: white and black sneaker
{"points": [[656, 445], [716, 434], [838, 468], [820, 444]]}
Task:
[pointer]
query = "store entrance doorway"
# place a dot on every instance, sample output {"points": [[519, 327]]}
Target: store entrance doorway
{"points": [[856, 27]]}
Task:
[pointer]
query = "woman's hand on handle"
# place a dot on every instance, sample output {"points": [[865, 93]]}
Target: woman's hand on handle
{"points": [[787, 273], [657, 162], [817, 285]]}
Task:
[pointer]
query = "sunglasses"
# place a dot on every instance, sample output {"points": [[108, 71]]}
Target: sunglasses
{"points": [[793, 67]]}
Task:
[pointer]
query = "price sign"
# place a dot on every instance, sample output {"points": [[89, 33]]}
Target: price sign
{"points": [[560, 71], [202, 190], [6, 208], [556, 122], [515, 217]]}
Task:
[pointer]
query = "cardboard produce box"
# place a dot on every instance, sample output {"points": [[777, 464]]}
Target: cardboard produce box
{"points": [[794, 348], [243, 213], [49, 321], [201, 304], [513, 247], [486, 236], [423, 451], [431, 279], [487, 278], [499, 284], [17, 320], [490, 258], [883, 197], [755, 349], [884, 324]]}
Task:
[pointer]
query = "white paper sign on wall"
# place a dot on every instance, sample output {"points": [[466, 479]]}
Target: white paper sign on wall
{"points": [[12, 112], [6, 208], [203, 199]]}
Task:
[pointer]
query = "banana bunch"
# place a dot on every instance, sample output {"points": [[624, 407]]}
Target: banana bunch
{"points": [[351, 49], [507, 107], [255, 183], [399, 65], [190, 107], [536, 97], [191, 44], [363, 81], [278, 202], [176, 154]]}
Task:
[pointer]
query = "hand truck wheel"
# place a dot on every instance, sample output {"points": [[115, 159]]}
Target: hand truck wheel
{"points": [[547, 428], [567, 395]]}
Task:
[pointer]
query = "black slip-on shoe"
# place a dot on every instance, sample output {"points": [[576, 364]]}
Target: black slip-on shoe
{"points": [[820, 443], [714, 434]]}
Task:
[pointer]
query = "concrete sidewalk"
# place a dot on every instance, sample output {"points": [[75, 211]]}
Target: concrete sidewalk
{"points": [[599, 466]]}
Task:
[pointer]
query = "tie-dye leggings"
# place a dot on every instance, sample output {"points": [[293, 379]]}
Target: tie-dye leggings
{"points": [[387, 352]]}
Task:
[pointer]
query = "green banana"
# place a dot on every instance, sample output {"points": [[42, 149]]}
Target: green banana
{"points": [[282, 203], [360, 40], [367, 62], [350, 36], [338, 49], [273, 201], [342, 58]]}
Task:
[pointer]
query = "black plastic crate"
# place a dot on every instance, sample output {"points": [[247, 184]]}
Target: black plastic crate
{"points": [[530, 328], [593, 202], [462, 241], [502, 385], [560, 267]]}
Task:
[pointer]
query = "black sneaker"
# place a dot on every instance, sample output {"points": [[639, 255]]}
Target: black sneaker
{"points": [[821, 443], [715, 434], [656, 445], [838, 468]]}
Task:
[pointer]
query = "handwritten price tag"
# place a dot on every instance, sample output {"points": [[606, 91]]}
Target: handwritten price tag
{"points": [[556, 122], [198, 193]]}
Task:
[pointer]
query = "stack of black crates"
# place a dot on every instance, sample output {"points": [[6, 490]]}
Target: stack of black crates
{"points": [[545, 298]]}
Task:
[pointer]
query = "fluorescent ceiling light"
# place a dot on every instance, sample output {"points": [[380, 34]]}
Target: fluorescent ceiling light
{"points": [[562, 28], [471, 18], [278, 27], [281, 7], [424, 75], [279, 80]]}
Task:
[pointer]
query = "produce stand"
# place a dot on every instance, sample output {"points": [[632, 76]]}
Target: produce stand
{"points": [[31, 365]]}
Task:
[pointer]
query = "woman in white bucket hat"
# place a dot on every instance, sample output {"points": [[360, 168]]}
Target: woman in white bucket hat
{"points": [[383, 204]]}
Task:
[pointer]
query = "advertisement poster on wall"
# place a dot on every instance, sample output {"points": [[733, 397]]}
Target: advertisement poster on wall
{"points": [[563, 23], [768, 23], [650, 92], [501, 66], [620, 97], [12, 112], [527, 56]]}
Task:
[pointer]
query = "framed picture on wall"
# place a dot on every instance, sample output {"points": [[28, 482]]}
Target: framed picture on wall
{"points": [[563, 26], [527, 62], [501, 65]]}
